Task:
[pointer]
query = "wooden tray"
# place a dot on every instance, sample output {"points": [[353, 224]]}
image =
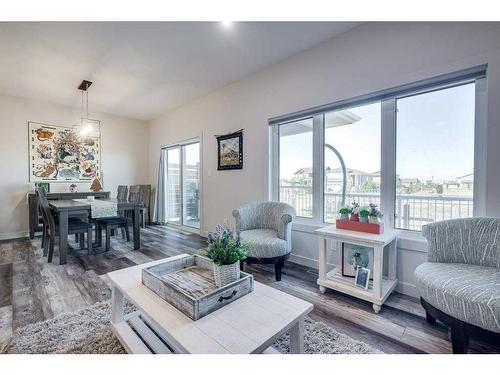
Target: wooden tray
{"points": [[358, 226], [188, 284]]}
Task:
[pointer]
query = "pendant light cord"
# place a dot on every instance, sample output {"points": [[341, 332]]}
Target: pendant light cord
{"points": [[87, 97], [85, 102]]}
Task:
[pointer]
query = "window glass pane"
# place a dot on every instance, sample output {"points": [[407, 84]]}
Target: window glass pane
{"points": [[352, 139], [435, 156], [191, 185], [296, 166], [173, 185]]}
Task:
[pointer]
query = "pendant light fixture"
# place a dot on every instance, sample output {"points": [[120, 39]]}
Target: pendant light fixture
{"points": [[87, 127]]}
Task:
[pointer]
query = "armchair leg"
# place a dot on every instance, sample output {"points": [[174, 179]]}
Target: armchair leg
{"points": [[459, 340], [278, 268], [430, 319]]}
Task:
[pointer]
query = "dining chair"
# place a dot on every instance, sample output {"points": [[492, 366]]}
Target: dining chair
{"points": [[51, 228], [109, 224]]}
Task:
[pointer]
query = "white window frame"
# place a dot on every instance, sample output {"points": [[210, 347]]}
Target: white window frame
{"points": [[388, 158]]}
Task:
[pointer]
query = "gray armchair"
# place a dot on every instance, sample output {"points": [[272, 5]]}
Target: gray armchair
{"points": [[460, 283], [266, 229]]}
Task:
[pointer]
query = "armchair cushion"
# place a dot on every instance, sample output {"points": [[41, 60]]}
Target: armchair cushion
{"points": [[264, 243], [468, 292]]}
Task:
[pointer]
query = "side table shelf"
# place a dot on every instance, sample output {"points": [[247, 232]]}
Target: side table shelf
{"points": [[381, 286]]}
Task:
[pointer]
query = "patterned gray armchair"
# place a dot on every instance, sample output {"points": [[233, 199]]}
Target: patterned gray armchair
{"points": [[460, 283], [266, 229]]}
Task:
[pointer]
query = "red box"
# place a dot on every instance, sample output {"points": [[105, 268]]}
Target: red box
{"points": [[360, 227]]}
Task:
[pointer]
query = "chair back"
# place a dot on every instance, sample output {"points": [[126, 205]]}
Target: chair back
{"points": [[145, 191], [45, 209], [134, 195], [474, 240], [122, 193], [265, 215]]}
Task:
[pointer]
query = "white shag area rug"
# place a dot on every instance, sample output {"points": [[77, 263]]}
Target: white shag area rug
{"points": [[89, 332]]}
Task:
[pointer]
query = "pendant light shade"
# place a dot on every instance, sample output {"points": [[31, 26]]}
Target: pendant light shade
{"points": [[86, 127]]}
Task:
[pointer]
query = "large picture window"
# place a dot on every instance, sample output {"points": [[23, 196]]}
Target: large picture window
{"points": [[435, 156], [296, 166], [411, 150], [352, 158]]}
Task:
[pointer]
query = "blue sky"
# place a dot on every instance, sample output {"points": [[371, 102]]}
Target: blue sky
{"points": [[435, 138]]}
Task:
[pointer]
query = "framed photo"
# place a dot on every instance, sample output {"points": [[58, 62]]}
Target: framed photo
{"points": [[354, 256], [362, 279], [230, 151]]}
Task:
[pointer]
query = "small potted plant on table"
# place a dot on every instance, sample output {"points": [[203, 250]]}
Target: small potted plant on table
{"points": [[355, 211], [226, 251], [375, 214], [344, 213], [364, 214]]}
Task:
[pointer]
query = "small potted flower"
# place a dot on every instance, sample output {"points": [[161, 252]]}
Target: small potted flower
{"points": [[363, 215], [375, 215], [226, 251], [344, 213], [355, 211]]}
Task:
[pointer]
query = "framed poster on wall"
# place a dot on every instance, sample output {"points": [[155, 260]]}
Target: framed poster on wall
{"points": [[59, 154], [230, 151]]}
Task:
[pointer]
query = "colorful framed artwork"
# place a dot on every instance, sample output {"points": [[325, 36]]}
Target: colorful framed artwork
{"points": [[59, 154], [230, 151], [353, 257]]}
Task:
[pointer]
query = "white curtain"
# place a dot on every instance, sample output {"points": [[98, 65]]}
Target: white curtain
{"points": [[160, 213]]}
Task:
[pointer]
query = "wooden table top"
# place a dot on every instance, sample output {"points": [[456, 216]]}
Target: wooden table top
{"points": [[248, 325]]}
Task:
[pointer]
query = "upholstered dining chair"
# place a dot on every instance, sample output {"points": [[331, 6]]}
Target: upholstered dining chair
{"points": [[266, 228]]}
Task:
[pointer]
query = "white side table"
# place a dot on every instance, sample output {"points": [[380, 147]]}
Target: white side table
{"points": [[382, 286]]}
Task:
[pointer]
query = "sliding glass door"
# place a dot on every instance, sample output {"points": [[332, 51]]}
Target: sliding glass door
{"points": [[183, 184]]}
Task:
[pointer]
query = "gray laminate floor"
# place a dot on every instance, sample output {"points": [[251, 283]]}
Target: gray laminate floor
{"points": [[32, 290]]}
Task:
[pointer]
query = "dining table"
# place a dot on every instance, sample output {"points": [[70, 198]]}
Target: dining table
{"points": [[63, 209]]}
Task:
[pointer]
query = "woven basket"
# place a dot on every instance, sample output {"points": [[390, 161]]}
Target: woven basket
{"points": [[224, 275]]}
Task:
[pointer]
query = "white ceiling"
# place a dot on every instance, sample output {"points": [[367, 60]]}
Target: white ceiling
{"points": [[141, 70]]}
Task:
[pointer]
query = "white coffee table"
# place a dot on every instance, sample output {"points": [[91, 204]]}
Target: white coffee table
{"points": [[248, 325]]}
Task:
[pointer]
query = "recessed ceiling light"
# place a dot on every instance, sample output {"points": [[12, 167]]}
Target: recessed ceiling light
{"points": [[227, 24]]}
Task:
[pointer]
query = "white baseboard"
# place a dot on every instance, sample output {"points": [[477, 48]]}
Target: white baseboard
{"points": [[13, 235], [304, 261], [402, 287], [407, 289]]}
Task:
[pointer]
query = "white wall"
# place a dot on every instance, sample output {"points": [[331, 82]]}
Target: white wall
{"points": [[368, 58], [124, 154]]}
